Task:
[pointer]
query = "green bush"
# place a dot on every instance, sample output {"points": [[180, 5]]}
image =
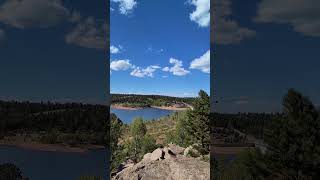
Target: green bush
{"points": [[148, 144], [10, 172], [50, 138]]}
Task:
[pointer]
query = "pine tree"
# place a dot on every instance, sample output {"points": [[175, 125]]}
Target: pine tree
{"points": [[116, 131], [138, 130], [294, 145], [198, 122]]}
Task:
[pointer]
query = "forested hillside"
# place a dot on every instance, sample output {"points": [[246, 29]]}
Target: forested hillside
{"points": [[71, 123], [149, 100]]}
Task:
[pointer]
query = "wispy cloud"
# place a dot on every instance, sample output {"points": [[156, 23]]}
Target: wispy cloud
{"points": [[121, 65], [144, 72], [115, 49], [124, 65], [88, 34], [126, 6], [202, 63], [177, 68], [151, 49]]}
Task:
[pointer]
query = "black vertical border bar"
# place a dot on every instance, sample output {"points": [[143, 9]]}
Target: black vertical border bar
{"points": [[107, 90], [212, 100]]}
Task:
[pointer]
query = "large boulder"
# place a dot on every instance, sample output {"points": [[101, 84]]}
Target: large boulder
{"points": [[157, 154], [168, 153], [180, 168], [164, 164], [175, 148]]}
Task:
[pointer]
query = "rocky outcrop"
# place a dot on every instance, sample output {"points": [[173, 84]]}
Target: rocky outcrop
{"points": [[190, 151], [166, 163]]}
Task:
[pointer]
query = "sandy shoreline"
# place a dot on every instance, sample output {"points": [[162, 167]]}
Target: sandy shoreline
{"points": [[53, 147], [170, 108], [125, 108], [157, 107]]}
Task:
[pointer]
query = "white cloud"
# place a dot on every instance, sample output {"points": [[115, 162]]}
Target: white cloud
{"points": [[146, 72], [177, 68], [88, 34], [202, 13], [121, 65], [202, 63], [126, 6], [166, 69], [155, 67], [114, 49], [153, 50], [302, 15], [226, 30], [33, 13]]}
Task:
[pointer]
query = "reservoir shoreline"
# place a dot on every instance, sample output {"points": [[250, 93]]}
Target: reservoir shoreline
{"points": [[172, 108], [52, 147]]}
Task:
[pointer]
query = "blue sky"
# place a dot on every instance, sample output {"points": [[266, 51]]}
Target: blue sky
{"points": [[160, 47], [262, 49], [53, 50]]}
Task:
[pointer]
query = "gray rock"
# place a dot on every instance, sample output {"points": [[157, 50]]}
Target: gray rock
{"points": [[168, 153], [171, 167], [176, 149], [157, 154], [190, 150], [147, 157]]}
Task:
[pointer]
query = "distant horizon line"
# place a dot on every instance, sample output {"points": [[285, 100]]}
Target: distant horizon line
{"points": [[154, 95]]}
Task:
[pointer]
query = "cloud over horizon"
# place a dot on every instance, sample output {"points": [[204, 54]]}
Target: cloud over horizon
{"points": [[177, 68], [303, 16], [33, 13], [202, 63]]}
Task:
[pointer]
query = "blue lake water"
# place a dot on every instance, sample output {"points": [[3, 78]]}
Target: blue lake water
{"points": [[146, 113], [42, 165]]}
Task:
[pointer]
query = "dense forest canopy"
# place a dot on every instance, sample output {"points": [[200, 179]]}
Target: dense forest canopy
{"points": [[85, 121], [254, 124], [149, 100]]}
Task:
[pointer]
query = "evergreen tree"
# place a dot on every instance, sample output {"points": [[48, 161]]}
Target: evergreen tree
{"points": [[294, 139], [148, 144], [197, 122], [117, 155], [10, 172], [138, 130]]}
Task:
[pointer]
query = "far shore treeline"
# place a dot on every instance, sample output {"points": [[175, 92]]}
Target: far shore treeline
{"points": [[136, 100], [52, 123]]}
